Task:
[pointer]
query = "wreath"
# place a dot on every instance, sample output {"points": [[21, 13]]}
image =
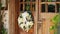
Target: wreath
{"points": [[25, 21]]}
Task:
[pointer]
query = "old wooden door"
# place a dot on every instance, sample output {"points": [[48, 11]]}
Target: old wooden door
{"points": [[42, 11], [33, 4], [47, 10], [15, 7]]}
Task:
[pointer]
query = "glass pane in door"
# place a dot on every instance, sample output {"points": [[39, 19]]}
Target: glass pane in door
{"points": [[43, 7], [27, 7], [21, 7], [51, 8], [21, 0]]}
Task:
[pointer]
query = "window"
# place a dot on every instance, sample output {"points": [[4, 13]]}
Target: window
{"points": [[21, 7], [49, 6], [27, 5], [43, 7]]}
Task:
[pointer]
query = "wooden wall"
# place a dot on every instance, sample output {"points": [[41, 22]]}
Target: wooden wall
{"points": [[47, 23]]}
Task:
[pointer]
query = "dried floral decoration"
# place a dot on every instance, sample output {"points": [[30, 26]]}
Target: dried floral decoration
{"points": [[25, 21]]}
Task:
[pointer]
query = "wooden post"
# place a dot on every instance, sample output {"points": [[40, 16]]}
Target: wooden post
{"points": [[13, 9]]}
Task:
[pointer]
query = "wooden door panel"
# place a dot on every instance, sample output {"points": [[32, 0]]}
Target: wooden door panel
{"points": [[47, 22], [31, 31]]}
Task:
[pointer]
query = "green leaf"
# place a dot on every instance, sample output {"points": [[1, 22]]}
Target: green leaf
{"points": [[3, 30], [49, 0], [55, 19], [21, 23], [52, 28], [28, 7], [55, 32]]}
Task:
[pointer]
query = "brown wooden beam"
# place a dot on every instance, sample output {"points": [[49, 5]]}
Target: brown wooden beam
{"points": [[13, 9]]}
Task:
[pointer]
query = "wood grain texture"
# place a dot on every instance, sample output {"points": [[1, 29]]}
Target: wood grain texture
{"points": [[12, 17], [13, 9], [47, 23]]}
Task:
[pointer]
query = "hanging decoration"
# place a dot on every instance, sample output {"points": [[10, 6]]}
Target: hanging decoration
{"points": [[25, 20]]}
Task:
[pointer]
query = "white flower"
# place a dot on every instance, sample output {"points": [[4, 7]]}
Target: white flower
{"points": [[29, 17], [25, 14], [22, 25], [27, 28], [31, 23], [20, 20]]}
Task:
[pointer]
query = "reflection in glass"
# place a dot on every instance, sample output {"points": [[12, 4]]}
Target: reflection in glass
{"points": [[43, 8], [27, 7], [51, 8]]}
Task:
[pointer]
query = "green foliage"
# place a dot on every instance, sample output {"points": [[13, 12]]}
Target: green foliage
{"points": [[49, 0], [55, 20], [3, 30], [28, 7], [52, 28]]}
